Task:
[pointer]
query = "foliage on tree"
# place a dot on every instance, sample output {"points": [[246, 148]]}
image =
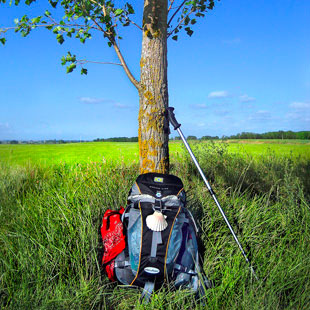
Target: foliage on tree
{"points": [[84, 17], [161, 19]]}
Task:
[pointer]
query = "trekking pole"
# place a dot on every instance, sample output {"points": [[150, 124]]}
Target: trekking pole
{"points": [[177, 126]]}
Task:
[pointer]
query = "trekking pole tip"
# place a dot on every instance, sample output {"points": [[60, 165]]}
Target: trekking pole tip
{"points": [[254, 273]]}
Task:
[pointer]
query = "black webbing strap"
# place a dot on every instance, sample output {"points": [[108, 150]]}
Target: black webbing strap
{"points": [[156, 239]]}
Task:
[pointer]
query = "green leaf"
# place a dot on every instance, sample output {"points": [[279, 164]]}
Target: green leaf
{"points": [[109, 43], [130, 9], [175, 38], [53, 3], [36, 20], [3, 40], [71, 68], [60, 38], [16, 21], [118, 12], [63, 60], [47, 13], [84, 71], [189, 31]]}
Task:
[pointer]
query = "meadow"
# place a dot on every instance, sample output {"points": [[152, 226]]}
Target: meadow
{"points": [[52, 198], [128, 152]]}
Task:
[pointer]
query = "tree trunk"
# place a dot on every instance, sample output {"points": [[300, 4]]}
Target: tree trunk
{"points": [[153, 93]]}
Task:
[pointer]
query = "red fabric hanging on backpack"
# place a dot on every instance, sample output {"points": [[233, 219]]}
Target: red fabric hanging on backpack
{"points": [[113, 239]]}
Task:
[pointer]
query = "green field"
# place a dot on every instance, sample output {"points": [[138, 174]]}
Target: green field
{"points": [[128, 152], [295, 148], [52, 199]]}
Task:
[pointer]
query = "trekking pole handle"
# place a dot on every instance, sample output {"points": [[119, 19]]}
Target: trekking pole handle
{"points": [[172, 118]]}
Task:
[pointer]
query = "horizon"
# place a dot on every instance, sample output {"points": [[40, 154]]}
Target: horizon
{"points": [[170, 138], [245, 68]]}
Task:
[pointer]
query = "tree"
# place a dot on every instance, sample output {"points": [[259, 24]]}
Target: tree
{"points": [[161, 19]]}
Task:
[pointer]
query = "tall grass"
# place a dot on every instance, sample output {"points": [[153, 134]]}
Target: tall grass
{"points": [[49, 241]]}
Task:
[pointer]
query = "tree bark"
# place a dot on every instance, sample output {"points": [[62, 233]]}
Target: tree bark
{"points": [[153, 92]]}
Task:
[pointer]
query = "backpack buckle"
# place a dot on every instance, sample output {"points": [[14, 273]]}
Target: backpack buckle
{"points": [[158, 205]]}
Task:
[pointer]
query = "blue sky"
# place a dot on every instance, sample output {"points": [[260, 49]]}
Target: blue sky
{"points": [[245, 68]]}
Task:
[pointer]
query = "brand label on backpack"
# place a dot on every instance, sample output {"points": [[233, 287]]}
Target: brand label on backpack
{"points": [[151, 270], [158, 194], [159, 180]]}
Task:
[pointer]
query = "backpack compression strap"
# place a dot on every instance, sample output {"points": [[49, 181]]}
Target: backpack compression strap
{"points": [[147, 291]]}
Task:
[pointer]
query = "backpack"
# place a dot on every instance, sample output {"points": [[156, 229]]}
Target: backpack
{"points": [[160, 237]]}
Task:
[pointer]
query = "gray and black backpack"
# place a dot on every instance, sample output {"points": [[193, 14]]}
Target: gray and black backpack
{"points": [[161, 237]]}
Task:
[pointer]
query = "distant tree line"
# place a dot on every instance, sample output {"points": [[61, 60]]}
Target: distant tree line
{"points": [[53, 141], [302, 135], [117, 139]]}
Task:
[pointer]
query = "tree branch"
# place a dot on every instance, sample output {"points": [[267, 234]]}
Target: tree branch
{"points": [[122, 60], [128, 19], [180, 22], [84, 61], [175, 13], [3, 30], [170, 6], [119, 54]]}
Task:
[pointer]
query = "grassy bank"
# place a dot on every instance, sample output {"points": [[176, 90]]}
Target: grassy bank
{"points": [[50, 217]]}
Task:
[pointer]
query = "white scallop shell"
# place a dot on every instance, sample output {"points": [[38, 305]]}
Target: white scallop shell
{"points": [[156, 221]]}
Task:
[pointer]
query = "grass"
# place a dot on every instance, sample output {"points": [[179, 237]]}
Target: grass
{"points": [[50, 214], [71, 153], [287, 150], [47, 154]]}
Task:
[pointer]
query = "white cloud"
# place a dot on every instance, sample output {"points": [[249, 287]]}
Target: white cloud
{"points": [[300, 111], [91, 100], [245, 98], [300, 105], [4, 125], [6, 131], [200, 106], [221, 112], [260, 116], [121, 106], [219, 94]]}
